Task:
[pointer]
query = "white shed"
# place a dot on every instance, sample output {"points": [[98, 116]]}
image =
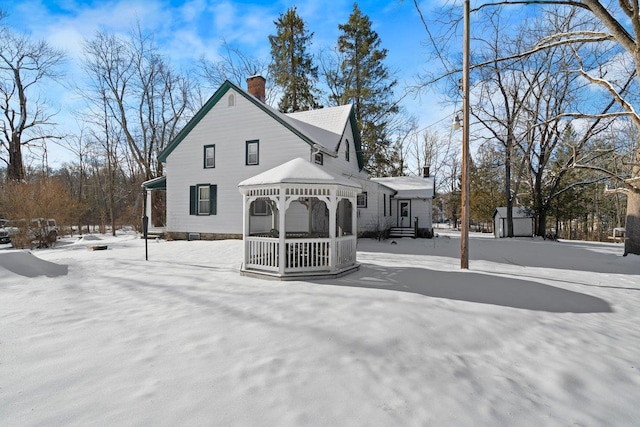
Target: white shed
{"points": [[523, 222]]}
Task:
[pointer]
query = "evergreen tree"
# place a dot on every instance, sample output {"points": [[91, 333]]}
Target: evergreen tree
{"points": [[487, 177], [292, 68], [365, 81]]}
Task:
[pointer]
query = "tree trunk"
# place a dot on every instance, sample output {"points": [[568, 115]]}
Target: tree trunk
{"points": [[632, 227], [541, 226], [507, 188], [15, 169]]}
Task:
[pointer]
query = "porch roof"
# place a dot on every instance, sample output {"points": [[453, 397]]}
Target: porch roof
{"points": [[159, 183]]}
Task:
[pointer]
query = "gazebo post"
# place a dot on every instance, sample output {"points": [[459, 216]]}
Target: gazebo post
{"points": [[282, 234], [354, 217], [245, 230], [333, 248]]}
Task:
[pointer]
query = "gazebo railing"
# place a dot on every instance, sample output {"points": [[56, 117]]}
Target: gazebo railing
{"points": [[346, 250], [307, 255], [262, 253], [311, 254]]}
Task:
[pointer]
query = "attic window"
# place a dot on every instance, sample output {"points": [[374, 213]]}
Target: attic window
{"points": [[346, 152], [318, 158], [232, 100]]}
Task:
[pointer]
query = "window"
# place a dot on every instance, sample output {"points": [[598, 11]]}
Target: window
{"points": [[203, 199], [362, 200], [252, 152], [209, 156], [260, 208], [346, 152], [404, 209], [318, 158], [232, 100], [384, 204]]}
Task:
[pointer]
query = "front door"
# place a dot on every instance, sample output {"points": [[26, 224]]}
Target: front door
{"points": [[404, 213]]}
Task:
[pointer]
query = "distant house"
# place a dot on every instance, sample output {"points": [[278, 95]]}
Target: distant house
{"points": [[410, 206], [236, 136], [523, 222]]}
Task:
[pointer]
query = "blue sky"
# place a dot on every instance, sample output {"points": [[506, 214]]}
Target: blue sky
{"points": [[186, 30]]}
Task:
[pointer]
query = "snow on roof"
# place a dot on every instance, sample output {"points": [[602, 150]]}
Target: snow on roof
{"points": [[323, 126], [408, 186], [296, 171], [323, 137], [332, 120]]}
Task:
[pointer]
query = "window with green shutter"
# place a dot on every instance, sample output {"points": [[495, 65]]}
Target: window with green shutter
{"points": [[203, 199]]}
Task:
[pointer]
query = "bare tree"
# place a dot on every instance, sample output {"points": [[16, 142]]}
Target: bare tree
{"points": [[140, 90], [618, 25], [435, 150], [235, 66], [25, 65]]}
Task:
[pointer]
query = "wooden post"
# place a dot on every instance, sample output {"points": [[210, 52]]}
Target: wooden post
{"points": [[464, 234]]}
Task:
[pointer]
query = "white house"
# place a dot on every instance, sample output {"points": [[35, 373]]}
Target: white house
{"points": [[236, 136], [523, 222], [410, 205]]}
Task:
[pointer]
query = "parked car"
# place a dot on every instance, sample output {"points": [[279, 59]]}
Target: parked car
{"points": [[5, 237], [43, 232], [39, 232]]}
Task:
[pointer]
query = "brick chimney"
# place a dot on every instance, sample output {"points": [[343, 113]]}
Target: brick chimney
{"points": [[256, 86], [425, 172]]}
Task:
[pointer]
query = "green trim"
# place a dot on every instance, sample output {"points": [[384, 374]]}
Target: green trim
{"points": [[220, 93], [162, 157], [193, 200], [204, 165], [213, 199], [347, 155], [356, 138], [159, 183]]}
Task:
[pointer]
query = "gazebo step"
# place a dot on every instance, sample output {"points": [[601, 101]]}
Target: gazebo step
{"points": [[304, 275]]}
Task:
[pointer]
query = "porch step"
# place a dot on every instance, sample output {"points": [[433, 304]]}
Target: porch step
{"points": [[401, 232], [154, 232]]}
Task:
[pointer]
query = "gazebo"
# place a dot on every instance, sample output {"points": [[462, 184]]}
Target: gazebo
{"points": [[299, 221]]}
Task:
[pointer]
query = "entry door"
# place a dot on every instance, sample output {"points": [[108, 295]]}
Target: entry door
{"points": [[404, 213]]}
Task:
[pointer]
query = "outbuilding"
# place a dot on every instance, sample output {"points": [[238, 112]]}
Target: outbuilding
{"points": [[523, 222]]}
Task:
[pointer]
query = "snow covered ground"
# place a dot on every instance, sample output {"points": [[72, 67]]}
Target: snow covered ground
{"points": [[535, 333]]}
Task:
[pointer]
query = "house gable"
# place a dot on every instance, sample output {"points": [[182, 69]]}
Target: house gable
{"points": [[279, 117]]}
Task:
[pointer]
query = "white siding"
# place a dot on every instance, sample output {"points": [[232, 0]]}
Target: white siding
{"points": [[373, 218], [522, 227], [228, 127]]}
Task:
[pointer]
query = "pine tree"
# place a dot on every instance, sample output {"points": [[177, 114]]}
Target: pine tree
{"points": [[367, 83], [292, 68]]}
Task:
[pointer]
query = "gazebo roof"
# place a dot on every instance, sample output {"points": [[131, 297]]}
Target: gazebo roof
{"points": [[297, 171]]}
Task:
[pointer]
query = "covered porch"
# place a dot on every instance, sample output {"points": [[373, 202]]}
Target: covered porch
{"points": [[299, 222], [154, 192]]}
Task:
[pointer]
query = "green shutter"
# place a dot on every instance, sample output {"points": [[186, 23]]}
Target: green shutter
{"points": [[213, 199], [193, 200]]}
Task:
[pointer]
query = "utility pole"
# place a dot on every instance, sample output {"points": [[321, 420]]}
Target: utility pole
{"points": [[464, 234]]}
